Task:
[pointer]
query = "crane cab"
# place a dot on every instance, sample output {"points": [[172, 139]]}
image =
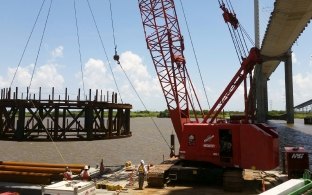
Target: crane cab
{"points": [[246, 146]]}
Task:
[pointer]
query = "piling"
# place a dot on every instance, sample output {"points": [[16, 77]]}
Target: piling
{"points": [[28, 119]]}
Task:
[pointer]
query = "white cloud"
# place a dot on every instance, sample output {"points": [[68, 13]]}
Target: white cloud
{"points": [[133, 64], [57, 52], [46, 76], [137, 72], [22, 77], [49, 76], [96, 75], [236, 102], [294, 58], [302, 87], [146, 86], [276, 94]]}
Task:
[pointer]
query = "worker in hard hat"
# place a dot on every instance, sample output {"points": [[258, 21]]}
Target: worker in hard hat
{"points": [[85, 175], [102, 169], [68, 175], [142, 172]]}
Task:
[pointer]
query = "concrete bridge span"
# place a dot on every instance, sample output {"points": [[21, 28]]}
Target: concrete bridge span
{"points": [[287, 21]]}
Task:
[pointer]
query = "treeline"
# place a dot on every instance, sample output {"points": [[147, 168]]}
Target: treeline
{"points": [[299, 115], [225, 114], [165, 114]]}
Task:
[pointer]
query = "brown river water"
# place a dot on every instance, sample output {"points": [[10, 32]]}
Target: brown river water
{"points": [[146, 143]]}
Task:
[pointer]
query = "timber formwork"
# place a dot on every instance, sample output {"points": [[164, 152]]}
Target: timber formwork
{"points": [[99, 117]]}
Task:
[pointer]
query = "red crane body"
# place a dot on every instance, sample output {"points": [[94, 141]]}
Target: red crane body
{"points": [[237, 143]]}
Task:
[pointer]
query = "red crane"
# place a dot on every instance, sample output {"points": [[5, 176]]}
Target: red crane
{"points": [[165, 43], [240, 143]]}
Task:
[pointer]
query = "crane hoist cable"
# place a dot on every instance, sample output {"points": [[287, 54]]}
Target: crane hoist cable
{"points": [[35, 64], [230, 17], [32, 75], [116, 58], [194, 53], [79, 50], [103, 47], [248, 61], [27, 42], [229, 4], [39, 48], [238, 33], [136, 92], [247, 35]]}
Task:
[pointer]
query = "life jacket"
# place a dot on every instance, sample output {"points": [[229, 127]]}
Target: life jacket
{"points": [[67, 176], [141, 169], [85, 175]]}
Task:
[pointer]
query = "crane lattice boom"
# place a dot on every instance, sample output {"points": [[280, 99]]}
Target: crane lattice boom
{"points": [[165, 43]]}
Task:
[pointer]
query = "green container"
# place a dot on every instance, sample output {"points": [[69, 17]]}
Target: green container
{"points": [[304, 189], [307, 174]]}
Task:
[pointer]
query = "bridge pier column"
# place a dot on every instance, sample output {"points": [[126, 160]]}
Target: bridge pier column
{"points": [[289, 89], [265, 96], [261, 95], [260, 90]]}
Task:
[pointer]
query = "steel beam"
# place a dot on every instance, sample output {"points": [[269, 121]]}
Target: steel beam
{"points": [[62, 119]]}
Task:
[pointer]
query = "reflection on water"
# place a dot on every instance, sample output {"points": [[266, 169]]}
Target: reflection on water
{"points": [[297, 134], [145, 143]]}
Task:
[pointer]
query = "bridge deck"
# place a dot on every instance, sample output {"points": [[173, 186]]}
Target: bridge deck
{"points": [[288, 20]]}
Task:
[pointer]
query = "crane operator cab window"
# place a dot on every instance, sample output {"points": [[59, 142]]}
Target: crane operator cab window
{"points": [[226, 153]]}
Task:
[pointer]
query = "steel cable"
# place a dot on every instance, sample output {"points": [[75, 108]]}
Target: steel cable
{"points": [[79, 49], [194, 52], [103, 47], [137, 94], [32, 75], [27, 42], [112, 22], [39, 48]]}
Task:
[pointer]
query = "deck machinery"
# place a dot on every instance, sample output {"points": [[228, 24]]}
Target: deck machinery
{"points": [[206, 143]]}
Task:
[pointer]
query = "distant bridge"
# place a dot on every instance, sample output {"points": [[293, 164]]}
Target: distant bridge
{"points": [[306, 106], [288, 20]]}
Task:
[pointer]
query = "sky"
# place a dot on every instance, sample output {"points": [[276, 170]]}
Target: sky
{"points": [[58, 64]]}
